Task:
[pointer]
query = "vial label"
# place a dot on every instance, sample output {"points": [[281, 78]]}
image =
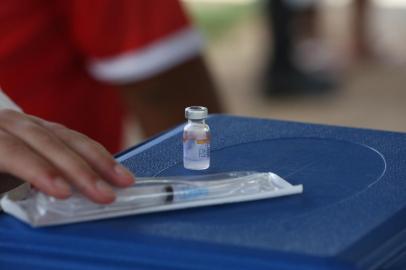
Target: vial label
{"points": [[196, 153]]}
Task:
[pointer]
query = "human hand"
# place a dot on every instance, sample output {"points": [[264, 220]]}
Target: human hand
{"points": [[54, 158]]}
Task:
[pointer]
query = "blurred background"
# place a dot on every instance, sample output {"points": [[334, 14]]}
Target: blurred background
{"points": [[340, 62], [369, 86]]}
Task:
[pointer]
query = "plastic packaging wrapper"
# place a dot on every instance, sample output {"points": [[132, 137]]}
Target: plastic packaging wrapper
{"points": [[150, 194]]}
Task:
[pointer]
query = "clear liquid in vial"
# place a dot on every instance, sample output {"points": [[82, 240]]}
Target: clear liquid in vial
{"points": [[196, 146]]}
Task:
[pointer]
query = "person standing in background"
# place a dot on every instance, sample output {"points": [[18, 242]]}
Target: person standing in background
{"points": [[300, 64], [291, 21]]}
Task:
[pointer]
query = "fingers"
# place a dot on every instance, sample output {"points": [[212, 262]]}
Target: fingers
{"points": [[71, 167], [51, 157], [19, 160], [93, 153]]}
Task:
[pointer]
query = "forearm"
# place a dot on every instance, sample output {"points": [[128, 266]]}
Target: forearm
{"points": [[158, 102]]}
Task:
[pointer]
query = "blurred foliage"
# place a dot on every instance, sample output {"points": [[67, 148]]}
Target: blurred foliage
{"points": [[214, 19]]}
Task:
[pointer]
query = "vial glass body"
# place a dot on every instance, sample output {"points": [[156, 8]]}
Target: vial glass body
{"points": [[196, 145]]}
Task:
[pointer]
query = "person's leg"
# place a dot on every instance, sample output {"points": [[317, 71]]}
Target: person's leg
{"points": [[280, 18], [284, 78], [360, 29]]}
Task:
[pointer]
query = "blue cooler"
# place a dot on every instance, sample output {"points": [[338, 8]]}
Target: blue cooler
{"points": [[351, 215]]}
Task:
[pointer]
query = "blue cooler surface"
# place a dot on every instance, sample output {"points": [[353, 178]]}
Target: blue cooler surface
{"points": [[352, 214]]}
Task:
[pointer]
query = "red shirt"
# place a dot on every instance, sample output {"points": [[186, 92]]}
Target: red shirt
{"points": [[61, 59]]}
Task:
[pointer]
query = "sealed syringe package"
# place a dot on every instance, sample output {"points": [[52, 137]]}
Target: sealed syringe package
{"points": [[149, 195]]}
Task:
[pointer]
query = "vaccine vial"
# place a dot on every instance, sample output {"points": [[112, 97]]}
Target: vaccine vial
{"points": [[196, 139]]}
